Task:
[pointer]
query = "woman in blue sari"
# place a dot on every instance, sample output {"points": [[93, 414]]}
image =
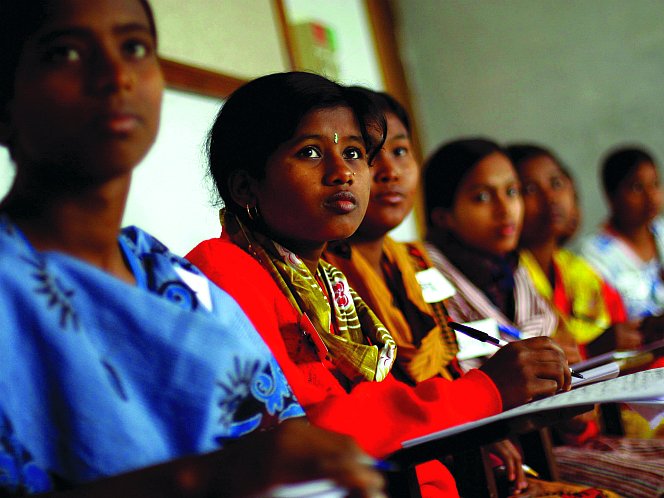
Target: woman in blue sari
{"points": [[118, 358]]}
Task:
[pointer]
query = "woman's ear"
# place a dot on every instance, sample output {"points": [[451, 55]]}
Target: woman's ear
{"points": [[242, 187], [442, 218]]}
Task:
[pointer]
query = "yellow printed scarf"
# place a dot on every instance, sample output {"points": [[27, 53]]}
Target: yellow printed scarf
{"points": [[425, 347], [362, 348]]}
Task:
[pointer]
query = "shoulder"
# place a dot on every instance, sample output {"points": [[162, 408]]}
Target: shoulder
{"points": [[144, 246], [436, 256], [228, 265], [597, 243], [238, 273], [574, 262]]}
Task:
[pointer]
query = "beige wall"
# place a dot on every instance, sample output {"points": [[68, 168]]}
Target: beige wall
{"points": [[240, 38]]}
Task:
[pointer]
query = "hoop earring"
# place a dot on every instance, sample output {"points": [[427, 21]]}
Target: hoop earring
{"points": [[253, 215]]}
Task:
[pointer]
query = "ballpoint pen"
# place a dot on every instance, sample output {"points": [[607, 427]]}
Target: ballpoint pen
{"points": [[484, 337], [382, 465], [510, 331]]}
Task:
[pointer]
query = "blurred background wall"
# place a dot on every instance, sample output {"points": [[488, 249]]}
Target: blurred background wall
{"points": [[578, 76]]}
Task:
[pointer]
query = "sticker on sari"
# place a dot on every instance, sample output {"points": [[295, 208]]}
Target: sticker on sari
{"points": [[435, 287]]}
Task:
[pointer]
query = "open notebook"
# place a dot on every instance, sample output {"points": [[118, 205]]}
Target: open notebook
{"points": [[602, 372], [640, 386]]}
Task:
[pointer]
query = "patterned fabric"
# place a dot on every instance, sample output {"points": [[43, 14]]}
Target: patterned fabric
{"points": [[354, 340], [559, 489], [632, 467], [639, 283], [470, 304], [426, 344], [532, 315], [99, 377], [493, 274], [579, 294]]}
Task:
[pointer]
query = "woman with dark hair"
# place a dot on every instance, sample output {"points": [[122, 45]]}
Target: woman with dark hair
{"points": [[383, 271], [593, 311], [628, 250], [120, 363], [476, 222], [475, 213], [306, 181]]}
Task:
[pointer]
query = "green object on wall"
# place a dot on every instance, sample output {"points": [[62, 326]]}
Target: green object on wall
{"points": [[314, 47]]}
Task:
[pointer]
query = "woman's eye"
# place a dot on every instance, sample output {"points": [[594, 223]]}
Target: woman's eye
{"points": [[137, 49], [309, 153], [513, 192], [63, 53], [636, 187], [483, 196], [400, 151], [353, 153], [557, 183]]}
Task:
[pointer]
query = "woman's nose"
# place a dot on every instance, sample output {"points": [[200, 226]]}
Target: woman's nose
{"points": [[338, 172], [111, 73], [386, 171]]}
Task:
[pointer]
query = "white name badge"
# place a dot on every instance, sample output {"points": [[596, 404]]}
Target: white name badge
{"points": [[200, 285], [435, 287], [472, 348]]}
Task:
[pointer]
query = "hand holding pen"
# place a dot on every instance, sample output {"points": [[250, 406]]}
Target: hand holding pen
{"points": [[484, 337], [528, 369]]}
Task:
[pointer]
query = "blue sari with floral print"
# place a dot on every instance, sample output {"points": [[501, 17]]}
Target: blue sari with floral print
{"points": [[99, 377]]}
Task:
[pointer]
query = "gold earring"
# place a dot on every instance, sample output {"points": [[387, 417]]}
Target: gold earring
{"points": [[253, 216]]}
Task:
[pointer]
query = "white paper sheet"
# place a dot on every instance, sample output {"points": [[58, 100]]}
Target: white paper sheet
{"points": [[639, 386]]}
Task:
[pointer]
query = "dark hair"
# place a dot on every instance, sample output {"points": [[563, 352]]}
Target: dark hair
{"points": [[522, 153], [18, 21], [619, 163], [264, 113], [445, 169], [386, 103]]}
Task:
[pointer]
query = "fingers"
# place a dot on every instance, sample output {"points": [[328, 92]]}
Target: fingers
{"points": [[548, 362], [526, 369], [306, 452], [512, 464], [628, 335]]}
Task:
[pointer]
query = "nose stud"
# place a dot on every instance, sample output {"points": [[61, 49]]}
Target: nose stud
{"points": [[336, 138]]}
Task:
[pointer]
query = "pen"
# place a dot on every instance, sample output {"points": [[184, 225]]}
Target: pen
{"points": [[382, 465], [529, 470], [511, 331], [476, 334], [484, 337]]}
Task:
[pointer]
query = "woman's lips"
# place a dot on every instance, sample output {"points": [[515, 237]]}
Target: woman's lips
{"points": [[120, 123], [342, 202], [390, 197], [507, 230]]}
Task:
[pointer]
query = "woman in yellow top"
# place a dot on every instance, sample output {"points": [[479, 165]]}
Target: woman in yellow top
{"points": [[592, 310]]}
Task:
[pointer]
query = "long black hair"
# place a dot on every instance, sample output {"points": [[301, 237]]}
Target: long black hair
{"points": [[445, 169]]}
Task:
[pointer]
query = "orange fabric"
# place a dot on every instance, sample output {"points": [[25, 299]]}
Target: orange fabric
{"points": [[422, 350], [378, 415]]}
